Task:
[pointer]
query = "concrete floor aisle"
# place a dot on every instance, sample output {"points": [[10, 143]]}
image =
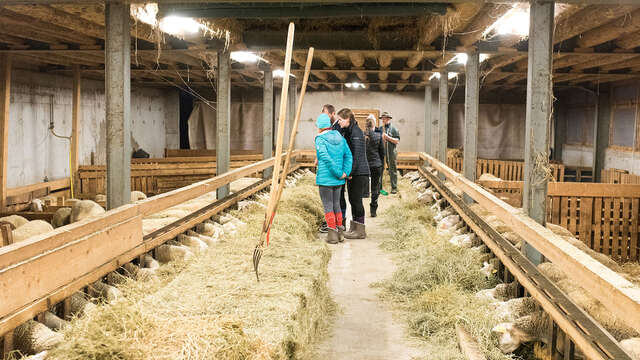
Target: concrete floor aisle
{"points": [[364, 327]]}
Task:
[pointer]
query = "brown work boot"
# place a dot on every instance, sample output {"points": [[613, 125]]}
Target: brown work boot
{"points": [[333, 237], [356, 231]]}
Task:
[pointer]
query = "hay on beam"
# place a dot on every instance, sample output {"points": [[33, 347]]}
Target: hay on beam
{"points": [[588, 18], [612, 30]]}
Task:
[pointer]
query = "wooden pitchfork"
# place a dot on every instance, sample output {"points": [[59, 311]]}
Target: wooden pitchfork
{"points": [[276, 188]]}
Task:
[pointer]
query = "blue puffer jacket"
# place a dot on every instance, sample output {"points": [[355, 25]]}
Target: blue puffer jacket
{"points": [[334, 158]]}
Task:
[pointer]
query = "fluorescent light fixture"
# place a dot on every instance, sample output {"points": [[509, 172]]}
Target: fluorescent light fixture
{"points": [[462, 58], [279, 73], [355, 85], [247, 57], [452, 75], [434, 76], [517, 23], [178, 25], [483, 57]]}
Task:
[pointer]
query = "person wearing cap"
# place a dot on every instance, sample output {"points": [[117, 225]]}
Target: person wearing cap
{"points": [[391, 138], [375, 157], [334, 166]]}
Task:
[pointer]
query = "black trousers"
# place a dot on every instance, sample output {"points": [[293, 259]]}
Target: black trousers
{"points": [[376, 176], [356, 188]]}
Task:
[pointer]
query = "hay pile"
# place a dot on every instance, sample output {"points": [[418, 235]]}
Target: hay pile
{"points": [[435, 283], [211, 307]]}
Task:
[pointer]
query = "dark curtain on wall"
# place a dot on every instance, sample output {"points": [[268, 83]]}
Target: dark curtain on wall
{"points": [[186, 106]]}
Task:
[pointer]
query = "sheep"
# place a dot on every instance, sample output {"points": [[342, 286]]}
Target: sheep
{"points": [[166, 253], [464, 240], [103, 291], [114, 278], [14, 220], [142, 274], [52, 321], [100, 198], [632, 347], [33, 337], [83, 209], [532, 327], [426, 198], [207, 239], [488, 177], [149, 262], [488, 269], [514, 309], [30, 229], [210, 229], [500, 292], [513, 238], [192, 242], [36, 205], [137, 196], [449, 223], [61, 217], [79, 305]]}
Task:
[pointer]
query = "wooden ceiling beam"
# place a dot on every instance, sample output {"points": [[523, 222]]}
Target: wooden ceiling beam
{"points": [[63, 19], [602, 61], [62, 34], [485, 18], [588, 18], [328, 58], [454, 21], [628, 41], [628, 63], [629, 23]]}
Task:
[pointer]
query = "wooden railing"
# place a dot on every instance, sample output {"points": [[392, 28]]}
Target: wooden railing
{"points": [[156, 176], [617, 176], [407, 160], [45, 269], [509, 170], [18, 198], [239, 154], [616, 293]]}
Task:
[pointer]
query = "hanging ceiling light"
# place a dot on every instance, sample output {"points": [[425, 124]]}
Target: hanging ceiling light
{"points": [[279, 73], [355, 85], [246, 57], [178, 25]]}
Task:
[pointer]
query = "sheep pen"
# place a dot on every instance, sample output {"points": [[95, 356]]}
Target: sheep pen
{"points": [[210, 306], [435, 284]]}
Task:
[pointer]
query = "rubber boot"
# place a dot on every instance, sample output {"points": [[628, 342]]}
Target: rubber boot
{"points": [[357, 231], [333, 237], [373, 211], [341, 230]]}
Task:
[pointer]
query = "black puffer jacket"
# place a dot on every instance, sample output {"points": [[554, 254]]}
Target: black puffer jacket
{"points": [[375, 149], [358, 147]]}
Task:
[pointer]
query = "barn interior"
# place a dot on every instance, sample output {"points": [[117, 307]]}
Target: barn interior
{"points": [[174, 117]]}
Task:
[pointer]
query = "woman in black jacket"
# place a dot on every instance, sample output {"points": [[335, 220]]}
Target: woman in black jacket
{"points": [[375, 157], [358, 181]]}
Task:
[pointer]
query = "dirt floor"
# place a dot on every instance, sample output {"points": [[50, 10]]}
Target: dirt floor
{"points": [[364, 327]]}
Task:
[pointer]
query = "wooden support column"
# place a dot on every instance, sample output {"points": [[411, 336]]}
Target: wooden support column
{"points": [[601, 131], [471, 111], [5, 100], [560, 131], [443, 122], [223, 119], [76, 114], [428, 105], [267, 121], [538, 118], [118, 101]]}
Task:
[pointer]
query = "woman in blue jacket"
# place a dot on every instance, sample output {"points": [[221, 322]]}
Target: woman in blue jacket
{"points": [[334, 165]]}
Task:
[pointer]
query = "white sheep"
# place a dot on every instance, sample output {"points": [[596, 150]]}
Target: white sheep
{"points": [[488, 177], [135, 272], [514, 309], [61, 217], [632, 347], [14, 220], [101, 290], [36, 205], [464, 240], [166, 253], [52, 321], [30, 229], [149, 262], [210, 229], [192, 242], [137, 196], [33, 337], [500, 292], [533, 327], [79, 305], [209, 240], [100, 198], [83, 209]]}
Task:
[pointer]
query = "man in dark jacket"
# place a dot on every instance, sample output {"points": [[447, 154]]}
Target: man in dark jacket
{"points": [[375, 157], [391, 138]]}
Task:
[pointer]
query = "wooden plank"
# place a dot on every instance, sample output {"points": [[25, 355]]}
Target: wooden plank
{"points": [[5, 101], [555, 212], [33, 278], [76, 114], [593, 189], [626, 222], [7, 234], [586, 221], [615, 230], [606, 226], [597, 225], [616, 293], [633, 244], [54, 185], [573, 218], [564, 212]]}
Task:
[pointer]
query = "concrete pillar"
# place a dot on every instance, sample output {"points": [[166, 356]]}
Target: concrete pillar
{"points": [[76, 115], [601, 132], [443, 122], [538, 118], [118, 103], [471, 111], [428, 105], [267, 121], [223, 119], [5, 101]]}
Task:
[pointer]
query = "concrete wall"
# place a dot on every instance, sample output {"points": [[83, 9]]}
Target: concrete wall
{"points": [[35, 154], [407, 109], [577, 155]]}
